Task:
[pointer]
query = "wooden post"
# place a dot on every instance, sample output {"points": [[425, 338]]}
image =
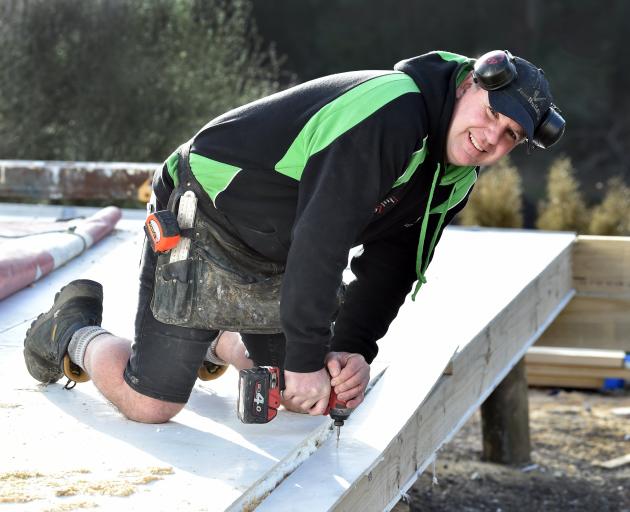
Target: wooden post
{"points": [[505, 420]]}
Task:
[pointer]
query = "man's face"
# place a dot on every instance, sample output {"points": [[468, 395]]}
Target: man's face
{"points": [[478, 135]]}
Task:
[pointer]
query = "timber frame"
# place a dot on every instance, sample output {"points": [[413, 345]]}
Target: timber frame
{"points": [[579, 286], [588, 345], [476, 372]]}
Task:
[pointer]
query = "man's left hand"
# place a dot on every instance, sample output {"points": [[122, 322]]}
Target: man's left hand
{"points": [[350, 375]]}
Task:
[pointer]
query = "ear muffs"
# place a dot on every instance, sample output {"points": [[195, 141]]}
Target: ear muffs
{"points": [[550, 130], [495, 70]]}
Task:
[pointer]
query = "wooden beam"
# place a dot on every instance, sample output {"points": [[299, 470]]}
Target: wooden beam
{"points": [[590, 322], [481, 365], [565, 356], [578, 371], [565, 382], [614, 463], [601, 266], [505, 420], [26, 179]]}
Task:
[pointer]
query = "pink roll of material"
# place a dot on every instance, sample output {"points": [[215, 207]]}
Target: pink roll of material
{"points": [[25, 260]]}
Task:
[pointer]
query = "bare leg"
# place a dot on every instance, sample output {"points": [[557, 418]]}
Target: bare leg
{"points": [[231, 349], [106, 358], [105, 361]]}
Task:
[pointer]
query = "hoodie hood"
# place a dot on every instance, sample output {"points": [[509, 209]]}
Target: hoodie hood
{"points": [[437, 75]]}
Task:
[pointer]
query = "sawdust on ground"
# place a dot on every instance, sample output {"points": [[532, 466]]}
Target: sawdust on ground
{"points": [[28, 486], [570, 433]]}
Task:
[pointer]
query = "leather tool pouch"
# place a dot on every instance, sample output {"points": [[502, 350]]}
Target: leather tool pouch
{"points": [[222, 284]]}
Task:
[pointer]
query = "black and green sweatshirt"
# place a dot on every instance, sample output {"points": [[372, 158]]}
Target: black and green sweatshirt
{"points": [[355, 158]]}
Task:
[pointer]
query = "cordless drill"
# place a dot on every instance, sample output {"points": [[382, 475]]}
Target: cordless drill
{"points": [[259, 397]]}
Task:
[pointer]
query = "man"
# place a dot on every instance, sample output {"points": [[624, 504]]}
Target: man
{"points": [[285, 187]]}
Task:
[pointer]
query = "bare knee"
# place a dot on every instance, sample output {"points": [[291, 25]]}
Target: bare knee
{"points": [[144, 409]]}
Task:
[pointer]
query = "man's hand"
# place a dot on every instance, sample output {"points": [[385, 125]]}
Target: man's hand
{"points": [[350, 376], [306, 392]]}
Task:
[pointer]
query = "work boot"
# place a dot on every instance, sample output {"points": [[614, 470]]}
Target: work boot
{"points": [[76, 305], [210, 371]]}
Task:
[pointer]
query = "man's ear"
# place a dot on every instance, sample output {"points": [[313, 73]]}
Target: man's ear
{"points": [[464, 86]]}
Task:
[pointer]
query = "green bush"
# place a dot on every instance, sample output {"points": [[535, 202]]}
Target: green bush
{"points": [[612, 216], [123, 80], [564, 209], [496, 200]]}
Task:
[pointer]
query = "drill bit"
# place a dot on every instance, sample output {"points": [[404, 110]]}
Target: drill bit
{"points": [[338, 424], [338, 409]]}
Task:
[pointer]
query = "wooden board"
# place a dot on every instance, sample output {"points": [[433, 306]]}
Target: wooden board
{"points": [[591, 322], [578, 371], [584, 357], [601, 266], [614, 463], [368, 471], [565, 382]]}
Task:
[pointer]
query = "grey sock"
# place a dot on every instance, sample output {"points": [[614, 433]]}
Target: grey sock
{"points": [[211, 355], [80, 340]]}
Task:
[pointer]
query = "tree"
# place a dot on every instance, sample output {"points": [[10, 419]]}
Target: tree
{"points": [[123, 80]]}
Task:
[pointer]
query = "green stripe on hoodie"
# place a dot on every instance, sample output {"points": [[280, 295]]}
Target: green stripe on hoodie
{"points": [[340, 115]]}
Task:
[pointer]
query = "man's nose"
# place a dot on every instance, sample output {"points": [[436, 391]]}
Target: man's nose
{"points": [[493, 133]]}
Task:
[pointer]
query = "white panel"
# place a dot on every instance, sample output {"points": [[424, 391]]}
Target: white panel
{"points": [[206, 458]]}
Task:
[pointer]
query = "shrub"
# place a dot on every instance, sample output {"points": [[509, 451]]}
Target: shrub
{"points": [[564, 209], [496, 199], [612, 216]]}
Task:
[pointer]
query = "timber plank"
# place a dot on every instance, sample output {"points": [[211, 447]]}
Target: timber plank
{"points": [[614, 463], [564, 356], [330, 480], [565, 382], [601, 266], [476, 371], [591, 322], [577, 371]]}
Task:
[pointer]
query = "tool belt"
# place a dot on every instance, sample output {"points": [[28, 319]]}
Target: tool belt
{"points": [[223, 284]]}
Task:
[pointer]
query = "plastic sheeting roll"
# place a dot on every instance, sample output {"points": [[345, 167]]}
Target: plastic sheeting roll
{"points": [[25, 260]]}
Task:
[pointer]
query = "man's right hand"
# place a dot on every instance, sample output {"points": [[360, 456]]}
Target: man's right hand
{"points": [[306, 392]]}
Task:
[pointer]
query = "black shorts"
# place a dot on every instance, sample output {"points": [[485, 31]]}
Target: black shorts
{"points": [[165, 358]]}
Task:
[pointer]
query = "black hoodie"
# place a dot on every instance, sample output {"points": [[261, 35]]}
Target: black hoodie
{"points": [[354, 158]]}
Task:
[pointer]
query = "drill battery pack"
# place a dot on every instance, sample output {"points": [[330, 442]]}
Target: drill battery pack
{"points": [[258, 394]]}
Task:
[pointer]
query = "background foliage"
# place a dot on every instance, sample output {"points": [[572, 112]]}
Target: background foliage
{"points": [[130, 80], [123, 80], [497, 199], [581, 45]]}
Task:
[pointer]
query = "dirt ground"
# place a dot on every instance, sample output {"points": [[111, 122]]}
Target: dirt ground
{"points": [[570, 432]]}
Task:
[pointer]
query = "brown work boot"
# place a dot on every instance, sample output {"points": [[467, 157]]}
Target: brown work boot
{"points": [[76, 305]]}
